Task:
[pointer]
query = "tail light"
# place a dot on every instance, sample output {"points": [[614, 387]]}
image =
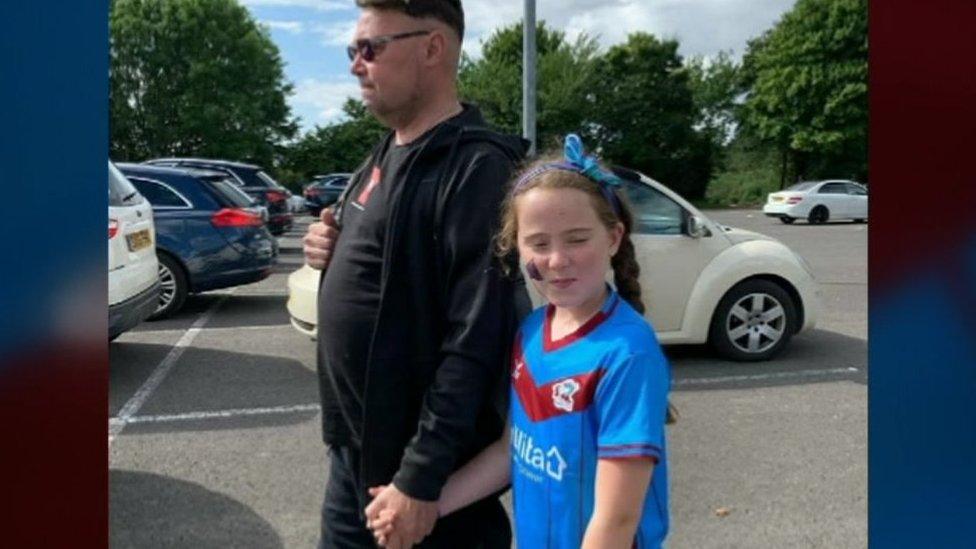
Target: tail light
{"points": [[236, 217], [794, 200], [113, 228], [276, 196]]}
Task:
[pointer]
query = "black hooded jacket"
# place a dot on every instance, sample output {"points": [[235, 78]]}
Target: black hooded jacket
{"points": [[436, 383]]}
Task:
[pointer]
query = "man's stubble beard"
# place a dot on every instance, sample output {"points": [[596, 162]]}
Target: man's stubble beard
{"points": [[399, 115]]}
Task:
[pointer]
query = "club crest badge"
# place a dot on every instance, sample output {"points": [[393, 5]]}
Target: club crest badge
{"points": [[562, 394]]}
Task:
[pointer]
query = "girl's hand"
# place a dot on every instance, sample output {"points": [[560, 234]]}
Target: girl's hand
{"points": [[383, 526]]}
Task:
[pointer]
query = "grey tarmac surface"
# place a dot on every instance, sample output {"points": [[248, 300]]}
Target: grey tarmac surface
{"points": [[226, 449]]}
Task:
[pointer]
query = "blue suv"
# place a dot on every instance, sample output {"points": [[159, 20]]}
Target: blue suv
{"points": [[209, 234], [251, 179]]}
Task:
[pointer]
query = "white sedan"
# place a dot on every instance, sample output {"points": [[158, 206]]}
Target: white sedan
{"points": [[819, 202], [744, 293]]}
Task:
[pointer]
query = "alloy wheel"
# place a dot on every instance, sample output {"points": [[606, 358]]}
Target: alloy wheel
{"points": [[756, 323], [167, 287]]}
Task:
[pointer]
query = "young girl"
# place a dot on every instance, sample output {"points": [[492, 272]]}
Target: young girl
{"points": [[585, 448]]}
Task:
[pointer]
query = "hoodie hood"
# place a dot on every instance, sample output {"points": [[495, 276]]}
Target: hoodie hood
{"points": [[470, 125]]}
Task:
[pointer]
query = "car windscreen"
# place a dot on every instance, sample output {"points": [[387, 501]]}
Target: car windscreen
{"points": [[228, 193], [251, 179], [805, 186], [269, 181]]}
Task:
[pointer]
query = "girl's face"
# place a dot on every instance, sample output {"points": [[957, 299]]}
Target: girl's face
{"points": [[559, 231]]}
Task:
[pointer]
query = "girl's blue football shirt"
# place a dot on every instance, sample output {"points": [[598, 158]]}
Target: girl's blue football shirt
{"points": [[598, 393]]}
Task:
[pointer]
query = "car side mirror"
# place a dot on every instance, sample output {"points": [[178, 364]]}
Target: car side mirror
{"points": [[697, 228]]}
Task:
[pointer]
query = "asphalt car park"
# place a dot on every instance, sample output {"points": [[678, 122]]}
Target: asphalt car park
{"points": [[215, 436]]}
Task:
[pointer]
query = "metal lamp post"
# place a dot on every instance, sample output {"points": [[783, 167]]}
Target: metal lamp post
{"points": [[528, 75]]}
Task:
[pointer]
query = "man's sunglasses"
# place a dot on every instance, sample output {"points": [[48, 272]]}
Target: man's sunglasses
{"points": [[368, 48]]}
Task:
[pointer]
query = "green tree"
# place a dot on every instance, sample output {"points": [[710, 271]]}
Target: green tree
{"points": [[644, 114], [194, 77], [564, 78], [338, 147], [715, 86], [750, 171], [808, 89]]}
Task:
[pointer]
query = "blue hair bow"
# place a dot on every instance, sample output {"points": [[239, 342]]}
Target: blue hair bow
{"points": [[586, 164], [576, 160]]}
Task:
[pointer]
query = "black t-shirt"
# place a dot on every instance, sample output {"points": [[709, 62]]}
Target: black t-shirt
{"points": [[350, 295]]}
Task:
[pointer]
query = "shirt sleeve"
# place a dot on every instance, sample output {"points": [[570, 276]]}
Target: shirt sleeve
{"points": [[632, 401]]}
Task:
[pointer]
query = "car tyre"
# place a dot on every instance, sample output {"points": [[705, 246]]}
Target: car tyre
{"points": [[753, 321], [174, 287], [818, 215], [787, 219]]}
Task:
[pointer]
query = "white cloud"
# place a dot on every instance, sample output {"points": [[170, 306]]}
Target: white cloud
{"points": [[702, 27], [483, 17], [324, 97], [338, 33], [319, 5], [294, 27]]}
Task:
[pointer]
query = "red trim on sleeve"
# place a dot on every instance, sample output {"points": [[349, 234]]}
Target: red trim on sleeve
{"points": [[655, 459], [629, 451]]}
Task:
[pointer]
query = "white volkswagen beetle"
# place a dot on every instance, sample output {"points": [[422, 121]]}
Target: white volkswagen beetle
{"points": [[744, 293], [819, 202]]}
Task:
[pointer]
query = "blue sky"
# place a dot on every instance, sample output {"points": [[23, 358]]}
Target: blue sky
{"points": [[312, 34]]}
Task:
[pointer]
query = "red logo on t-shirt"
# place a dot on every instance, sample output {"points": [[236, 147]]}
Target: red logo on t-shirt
{"points": [[374, 180]]}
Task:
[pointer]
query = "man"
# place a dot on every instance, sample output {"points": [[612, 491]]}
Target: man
{"points": [[415, 319]]}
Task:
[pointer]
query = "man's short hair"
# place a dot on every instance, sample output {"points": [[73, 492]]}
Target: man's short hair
{"points": [[448, 12]]}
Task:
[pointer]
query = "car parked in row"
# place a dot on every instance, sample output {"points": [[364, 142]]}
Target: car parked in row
{"points": [[210, 235], [819, 202], [251, 179], [324, 190], [296, 204], [133, 279], [743, 292]]}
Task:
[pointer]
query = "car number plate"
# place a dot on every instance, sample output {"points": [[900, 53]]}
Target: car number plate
{"points": [[138, 240], [777, 199]]}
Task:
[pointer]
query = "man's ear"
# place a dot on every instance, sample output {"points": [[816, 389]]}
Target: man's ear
{"points": [[436, 48]]}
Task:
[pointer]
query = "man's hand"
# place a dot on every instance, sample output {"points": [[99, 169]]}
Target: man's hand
{"points": [[320, 240], [414, 518]]}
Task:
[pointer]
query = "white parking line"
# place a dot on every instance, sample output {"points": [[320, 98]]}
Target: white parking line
{"points": [[223, 414], [137, 400], [254, 293], [212, 329], [278, 410], [762, 377]]}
